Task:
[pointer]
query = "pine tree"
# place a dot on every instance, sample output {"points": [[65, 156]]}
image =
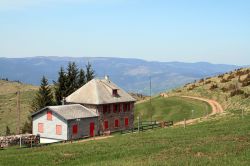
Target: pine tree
{"points": [[60, 88], [44, 96], [90, 73], [82, 78], [7, 130], [72, 78]]}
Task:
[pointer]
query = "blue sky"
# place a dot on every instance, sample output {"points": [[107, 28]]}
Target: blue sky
{"points": [[216, 31]]}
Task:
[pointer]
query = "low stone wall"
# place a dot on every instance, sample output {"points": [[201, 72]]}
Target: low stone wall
{"points": [[6, 141]]}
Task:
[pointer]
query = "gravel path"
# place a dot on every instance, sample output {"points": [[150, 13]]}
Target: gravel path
{"points": [[216, 108]]}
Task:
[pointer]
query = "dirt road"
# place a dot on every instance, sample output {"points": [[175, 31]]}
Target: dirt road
{"points": [[216, 108]]}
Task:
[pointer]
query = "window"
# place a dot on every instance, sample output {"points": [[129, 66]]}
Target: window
{"points": [[75, 129], [106, 124], [131, 106], [115, 107], [117, 123], [126, 122], [40, 127], [49, 115], [58, 129], [115, 92], [124, 107]]}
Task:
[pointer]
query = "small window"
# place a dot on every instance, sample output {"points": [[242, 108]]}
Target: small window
{"points": [[58, 129], [75, 129], [49, 115], [117, 124], [115, 93], [126, 122], [106, 124], [40, 127]]}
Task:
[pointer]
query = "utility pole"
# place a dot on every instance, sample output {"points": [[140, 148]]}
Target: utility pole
{"points": [[150, 87], [18, 112]]}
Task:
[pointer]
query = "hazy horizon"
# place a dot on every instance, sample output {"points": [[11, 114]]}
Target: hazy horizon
{"points": [[164, 30]]}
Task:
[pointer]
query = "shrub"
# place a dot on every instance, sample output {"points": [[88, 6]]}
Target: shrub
{"points": [[201, 80], [214, 86], [224, 80], [192, 87], [237, 92], [208, 82], [224, 89]]}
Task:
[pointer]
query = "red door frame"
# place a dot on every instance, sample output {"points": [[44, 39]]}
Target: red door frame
{"points": [[92, 129]]}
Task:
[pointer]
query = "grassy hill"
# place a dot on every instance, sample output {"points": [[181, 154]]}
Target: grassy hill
{"points": [[172, 109], [8, 114], [223, 141], [231, 89]]}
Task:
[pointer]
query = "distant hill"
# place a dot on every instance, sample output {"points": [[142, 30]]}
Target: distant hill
{"points": [[8, 98], [130, 74], [231, 89]]}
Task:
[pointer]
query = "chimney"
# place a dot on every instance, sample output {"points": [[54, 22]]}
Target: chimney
{"points": [[107, 78], [63, 101]]}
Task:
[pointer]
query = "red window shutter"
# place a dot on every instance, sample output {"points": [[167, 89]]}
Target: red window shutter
{"points": [[75, 129], [106, 124], [40, 127], [49, 115], [117, 123], [124, 107], [58, 129], [128, 106], [126, 122], [114, 107]]}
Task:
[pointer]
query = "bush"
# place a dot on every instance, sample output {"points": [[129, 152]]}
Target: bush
{"points": [[223, 80], [224, 89], [214, 86], [192, 87], [208, 82], [236, 92]]}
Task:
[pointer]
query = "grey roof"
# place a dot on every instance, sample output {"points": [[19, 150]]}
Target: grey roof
{"points": [[99, 91], [72, 111]]}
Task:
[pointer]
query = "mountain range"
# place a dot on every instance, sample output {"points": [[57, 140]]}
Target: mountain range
{"points": [[130, 74]]}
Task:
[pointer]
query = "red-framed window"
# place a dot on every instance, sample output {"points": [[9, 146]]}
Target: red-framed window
{"points": [[115, 107], [124, 107], [117, 123], [126, 122], [49, 115], [75, 129], [40, 127], [106, 124], [58, 129]]}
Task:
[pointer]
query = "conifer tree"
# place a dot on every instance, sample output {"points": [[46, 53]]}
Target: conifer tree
{"points": [[72, 78], [60, 88], [82, 78], [90, 73], [44, 96]]}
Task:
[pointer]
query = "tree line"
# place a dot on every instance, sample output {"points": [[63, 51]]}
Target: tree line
{"points": [[68, 81]]}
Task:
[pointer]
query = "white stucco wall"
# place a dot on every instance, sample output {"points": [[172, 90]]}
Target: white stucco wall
{"points": [[49, 126]]}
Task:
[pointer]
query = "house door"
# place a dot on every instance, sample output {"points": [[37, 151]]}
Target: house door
{"points": [[92, 129]]}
